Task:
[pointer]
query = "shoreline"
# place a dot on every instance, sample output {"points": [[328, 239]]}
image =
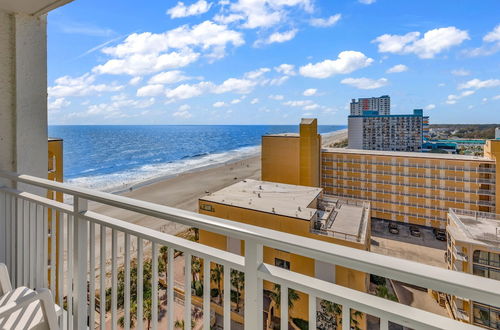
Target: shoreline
{"points": [[327, 139], [183, 190]]}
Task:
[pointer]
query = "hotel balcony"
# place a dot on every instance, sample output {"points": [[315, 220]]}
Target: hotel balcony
{"points": [[85, 261], [82, 256]]}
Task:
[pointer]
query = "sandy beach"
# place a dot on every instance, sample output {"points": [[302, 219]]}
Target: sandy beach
{"points": [[184, 190]]}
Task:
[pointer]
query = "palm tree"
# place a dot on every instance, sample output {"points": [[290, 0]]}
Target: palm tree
{"points": [[276, 297], [164, 261], [238, 282], [179, 324], [216, 276], [195, 268], [328, 315]]}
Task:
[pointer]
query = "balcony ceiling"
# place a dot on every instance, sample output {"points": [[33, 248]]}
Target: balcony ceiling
{"points": [[31, 7]]}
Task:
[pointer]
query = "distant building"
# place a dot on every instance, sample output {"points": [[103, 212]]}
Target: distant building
{"points": [[497, 133], [375, 131], [382, 105], [474, 247], [417, 188]]}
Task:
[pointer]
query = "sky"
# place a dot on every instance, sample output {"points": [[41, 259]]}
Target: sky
{"points": [[271, 61]]}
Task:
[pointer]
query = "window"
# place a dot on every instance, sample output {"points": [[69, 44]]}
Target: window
{"points": [[207, 207], [282, 263], [486, 264], [486, 315]]}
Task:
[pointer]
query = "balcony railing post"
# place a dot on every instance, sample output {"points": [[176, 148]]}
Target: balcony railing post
{"points": [[253, 285], [80, 237]]}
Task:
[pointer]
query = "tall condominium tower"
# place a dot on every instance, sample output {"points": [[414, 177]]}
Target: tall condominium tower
{"points": [[382, 105]]}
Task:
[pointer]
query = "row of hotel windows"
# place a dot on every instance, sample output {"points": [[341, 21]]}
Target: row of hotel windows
{"points": [[486, 264]]}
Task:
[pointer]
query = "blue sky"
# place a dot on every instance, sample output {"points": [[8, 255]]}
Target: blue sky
{"points": [[271, 61]]}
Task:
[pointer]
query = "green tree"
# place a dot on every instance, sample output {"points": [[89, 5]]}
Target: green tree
{"points": [[238, 282], [216, 276], [275, 295]]}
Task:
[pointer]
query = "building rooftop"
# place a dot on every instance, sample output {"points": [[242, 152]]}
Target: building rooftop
{"points": [[283, 134], [329, 216], [476, 227], [270, 197], [408, 154]]}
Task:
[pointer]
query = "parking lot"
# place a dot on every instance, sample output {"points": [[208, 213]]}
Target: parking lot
{"points": [[425, 249]]}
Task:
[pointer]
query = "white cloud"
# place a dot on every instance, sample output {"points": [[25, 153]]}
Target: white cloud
{"points": [[491, 44], [432, 43], [58, 103], [298, 103], [277, 37], [262, 13], [150, 90], [256, 74], [277, 97], [134, 81], [347, 62], [184, 114], [235, 101], [278, 81], [219, 104], [254, 101], [430, 107], [143, 53], [184, 107], [168, 77], [181, 10], [325, 22], [310, 107], [365, 83], [496, 97], [476, 84], [241, 86], [115, 108], [286, 69], [186, 91], [366, 2], [460, 72], [310, 92], [452, 98], [80, 86], [494, 35], [140, 64], [397, 68]]}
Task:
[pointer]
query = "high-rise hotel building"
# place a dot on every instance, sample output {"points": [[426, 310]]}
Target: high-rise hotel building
{"points": [[411, 187], [375, 131], [380, 104]]}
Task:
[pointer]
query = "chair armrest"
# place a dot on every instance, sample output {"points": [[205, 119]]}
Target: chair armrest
{"points": [[47, 304], [5, 285]]}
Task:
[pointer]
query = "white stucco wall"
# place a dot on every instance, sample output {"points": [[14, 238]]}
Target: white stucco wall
{"points": [[23, 94]]}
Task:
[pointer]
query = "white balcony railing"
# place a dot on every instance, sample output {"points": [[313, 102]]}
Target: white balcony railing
{"points": [[80, 263]]}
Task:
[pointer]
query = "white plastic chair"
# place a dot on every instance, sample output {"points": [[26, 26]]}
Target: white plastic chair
{"points": [[23, 308]]}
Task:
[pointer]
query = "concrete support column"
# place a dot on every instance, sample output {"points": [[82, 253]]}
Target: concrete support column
{"points": [[23, 93]]}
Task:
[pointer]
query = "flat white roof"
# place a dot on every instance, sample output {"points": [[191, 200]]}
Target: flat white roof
{"points": [[278, 198], [407, 154], [478, 228]]}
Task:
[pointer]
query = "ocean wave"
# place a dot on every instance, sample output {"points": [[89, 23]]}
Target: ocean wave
{"points": [[123, 180]]}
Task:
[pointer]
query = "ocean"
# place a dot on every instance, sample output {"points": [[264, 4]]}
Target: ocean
{"points": [[114, 158]]}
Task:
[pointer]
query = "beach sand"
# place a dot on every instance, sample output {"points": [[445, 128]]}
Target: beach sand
{"points": [[184, 190]]}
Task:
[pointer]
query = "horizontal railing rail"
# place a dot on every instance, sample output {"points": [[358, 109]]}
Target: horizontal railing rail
{"points": [[87, 234]]}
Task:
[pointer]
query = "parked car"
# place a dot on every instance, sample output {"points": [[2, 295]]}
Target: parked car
{"points": [[393, 229], [414, 231], [440, 234]]}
